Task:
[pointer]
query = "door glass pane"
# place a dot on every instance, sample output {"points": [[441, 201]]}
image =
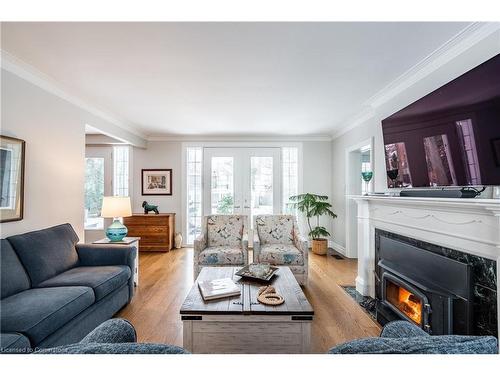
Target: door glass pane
{"points": [[261, 185], [94, 191], [194, 160], [222, 189]]}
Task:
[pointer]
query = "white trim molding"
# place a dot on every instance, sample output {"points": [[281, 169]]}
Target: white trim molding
{"points": [[337, 247], [14, 65], [460, 43]]}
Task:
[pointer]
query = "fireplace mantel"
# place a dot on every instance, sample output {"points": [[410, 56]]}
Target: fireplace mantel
{"points": [[468, 225]]}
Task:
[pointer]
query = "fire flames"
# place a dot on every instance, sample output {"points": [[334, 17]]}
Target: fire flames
{"points": [[410, 305]]}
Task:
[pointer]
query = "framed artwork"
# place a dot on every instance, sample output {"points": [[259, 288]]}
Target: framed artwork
{"points": [[11, 178], [495, 145], [156, 181]]}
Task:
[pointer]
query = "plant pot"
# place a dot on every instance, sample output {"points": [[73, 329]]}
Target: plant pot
{"points": [[320, 246]]}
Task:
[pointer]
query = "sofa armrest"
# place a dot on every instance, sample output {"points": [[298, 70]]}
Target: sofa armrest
{"points": [[200, 243], [301, 243], [106, 255], [244, 246], [256, 246], [112, 331], [402, 329]]}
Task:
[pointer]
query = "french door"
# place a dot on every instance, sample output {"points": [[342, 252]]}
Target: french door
{"points": [[243, 181]]}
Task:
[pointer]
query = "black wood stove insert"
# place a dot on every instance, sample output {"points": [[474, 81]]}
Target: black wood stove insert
{"points": [[432, 287]]}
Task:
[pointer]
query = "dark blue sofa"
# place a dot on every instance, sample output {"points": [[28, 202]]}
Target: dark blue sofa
{"points": [[54, 291], [401, 337]]}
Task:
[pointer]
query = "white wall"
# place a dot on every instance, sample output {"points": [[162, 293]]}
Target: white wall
{"points": [[164, 155], [478, 53], [317, 177], [54, 131], [159, 154]]}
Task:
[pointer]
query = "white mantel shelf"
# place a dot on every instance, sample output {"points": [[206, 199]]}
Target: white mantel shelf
{"points": [[460, 203], [468, 225]]}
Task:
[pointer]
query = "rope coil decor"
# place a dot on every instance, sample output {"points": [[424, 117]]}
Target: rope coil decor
{"points": [[267, 295]]}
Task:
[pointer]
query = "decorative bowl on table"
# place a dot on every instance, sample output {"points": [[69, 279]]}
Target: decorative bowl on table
{"points": [[258, 271]]}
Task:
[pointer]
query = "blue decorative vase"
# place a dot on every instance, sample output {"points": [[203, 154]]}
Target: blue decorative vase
{"points": [[116, 231]]}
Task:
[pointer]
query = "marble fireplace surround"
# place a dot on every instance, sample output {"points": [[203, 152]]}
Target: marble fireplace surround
{"points": [[468, 225]]}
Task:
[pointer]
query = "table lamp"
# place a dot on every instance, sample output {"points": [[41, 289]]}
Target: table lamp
{"points": [[116, 207]]}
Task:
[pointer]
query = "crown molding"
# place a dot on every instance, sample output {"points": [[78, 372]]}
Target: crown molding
{"points": [[240, 138], [352, 122], [461, 42], [29, 73]]}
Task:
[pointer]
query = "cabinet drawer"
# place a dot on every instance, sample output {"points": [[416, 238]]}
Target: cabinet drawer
{"points": [[148, 229], [147, 220]]}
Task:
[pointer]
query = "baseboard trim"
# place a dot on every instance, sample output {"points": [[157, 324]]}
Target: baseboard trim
{"points": [[337, 247]]}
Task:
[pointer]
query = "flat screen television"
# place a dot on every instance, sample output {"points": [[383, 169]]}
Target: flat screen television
{"points": [[450, 137]]}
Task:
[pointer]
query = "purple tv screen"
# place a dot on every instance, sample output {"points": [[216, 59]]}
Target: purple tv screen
{"points": [[450, 137]]}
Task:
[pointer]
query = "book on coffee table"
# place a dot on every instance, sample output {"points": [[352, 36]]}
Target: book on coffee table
{"points": [[218, 288]]}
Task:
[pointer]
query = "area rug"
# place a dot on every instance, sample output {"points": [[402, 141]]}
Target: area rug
{"points": [[367, 303]]}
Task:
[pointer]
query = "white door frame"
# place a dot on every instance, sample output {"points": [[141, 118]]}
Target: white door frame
{"points": [[241, 174], [105, 152], [229, 143], [351, 220]]}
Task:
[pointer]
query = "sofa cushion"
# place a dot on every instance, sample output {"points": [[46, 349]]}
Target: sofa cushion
{"points": [[225, 230], [102, 279], [281, 255], [47, 252], [14, 278], [36, 313], [14, 343], [420, 345], [275, 229], [221, 255]]}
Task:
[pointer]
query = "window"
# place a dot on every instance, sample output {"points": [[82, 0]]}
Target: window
{"points": [[94, 191], [290, 185], [120, 171], [222, 185], [194, 166]]}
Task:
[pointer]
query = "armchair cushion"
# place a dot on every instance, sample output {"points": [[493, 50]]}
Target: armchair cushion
{"points": [[281, 254], [275, 229], [225, 230], [221, 255], [102, 279], [420, 345], [401, 329], [114, 336]]}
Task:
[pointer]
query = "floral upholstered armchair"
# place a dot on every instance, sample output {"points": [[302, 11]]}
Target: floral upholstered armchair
{"points": [[277, 241], [222, 243]]}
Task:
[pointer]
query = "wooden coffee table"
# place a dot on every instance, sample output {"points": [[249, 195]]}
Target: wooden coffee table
{"points": [[243, 325]]}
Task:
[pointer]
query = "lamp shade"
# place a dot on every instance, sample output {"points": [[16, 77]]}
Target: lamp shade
{"points": [[116, 207]]}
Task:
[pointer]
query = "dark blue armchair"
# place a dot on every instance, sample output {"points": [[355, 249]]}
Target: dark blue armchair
{"points": [[401, 337]]}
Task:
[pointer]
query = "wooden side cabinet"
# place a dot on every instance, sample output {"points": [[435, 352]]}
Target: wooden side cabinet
{"points": [[156, 231]]}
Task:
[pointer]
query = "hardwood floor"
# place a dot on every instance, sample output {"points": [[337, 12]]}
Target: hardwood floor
{"points": [[166, 278]]}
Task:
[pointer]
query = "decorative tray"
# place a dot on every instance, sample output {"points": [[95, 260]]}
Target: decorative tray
{"points": [[245, 272]]}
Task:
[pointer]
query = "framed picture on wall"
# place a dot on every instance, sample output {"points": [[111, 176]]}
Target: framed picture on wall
{"points": [[11, 178], [156, 182]]}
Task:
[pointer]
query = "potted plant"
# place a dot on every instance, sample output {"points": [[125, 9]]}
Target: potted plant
{"points": [[313, 205]]}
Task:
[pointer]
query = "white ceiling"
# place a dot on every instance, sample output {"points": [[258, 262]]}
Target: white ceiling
{"points": [[226, 78]]}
